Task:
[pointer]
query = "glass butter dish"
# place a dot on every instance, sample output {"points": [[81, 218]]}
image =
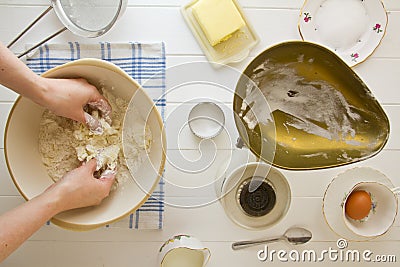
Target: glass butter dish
{"points": [[221, 28]]}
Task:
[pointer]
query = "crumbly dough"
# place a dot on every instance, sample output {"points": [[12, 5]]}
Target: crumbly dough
{"points": [[64, 144]]}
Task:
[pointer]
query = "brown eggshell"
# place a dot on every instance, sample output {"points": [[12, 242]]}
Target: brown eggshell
{"points": [[358, 205]]}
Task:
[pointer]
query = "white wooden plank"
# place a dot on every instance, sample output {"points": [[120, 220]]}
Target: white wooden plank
{"points": [[209, 223], [393, 113], [10, 202], [4, 111], [190, 180], [7, 187], [385, 161], [180, 136], [63, 254], [135, 26], [7, 95], [310, 218], [293, 4], [68, 254], [52, 240], [374, 72], [188, 79], [245, 3], [382, 83]]}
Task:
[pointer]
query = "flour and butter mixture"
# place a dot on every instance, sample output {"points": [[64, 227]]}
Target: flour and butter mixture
{"points": [[64, 144]]}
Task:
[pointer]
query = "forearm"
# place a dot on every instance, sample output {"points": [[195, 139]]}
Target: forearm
{"points": [[18, 224], [15, 75], [78, 188]]}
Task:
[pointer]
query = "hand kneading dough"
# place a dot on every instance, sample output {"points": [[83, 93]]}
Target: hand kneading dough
{"points": [[64, 143]]}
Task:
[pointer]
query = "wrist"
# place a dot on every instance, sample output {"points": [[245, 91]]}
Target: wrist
{"points": [[53, 200], [40, 91]]}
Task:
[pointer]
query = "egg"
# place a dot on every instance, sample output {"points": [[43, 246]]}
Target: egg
{"points": [[358, 205]]}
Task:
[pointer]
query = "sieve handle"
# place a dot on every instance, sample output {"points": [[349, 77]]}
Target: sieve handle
{"points": [[29, 26], [42, 42]]}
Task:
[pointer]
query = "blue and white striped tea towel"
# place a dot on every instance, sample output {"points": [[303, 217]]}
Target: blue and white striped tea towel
{"points": [[141, 62]]}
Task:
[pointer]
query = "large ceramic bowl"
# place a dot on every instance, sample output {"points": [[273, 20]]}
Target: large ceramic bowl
{"points": [[29, 174], [299, 106]]}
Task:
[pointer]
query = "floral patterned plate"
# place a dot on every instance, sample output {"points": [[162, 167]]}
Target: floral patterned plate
{"points": [[336, 193], [352, 28]]}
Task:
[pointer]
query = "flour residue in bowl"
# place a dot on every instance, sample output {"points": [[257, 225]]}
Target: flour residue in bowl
{"points": [[315, 107], [64, 144]]}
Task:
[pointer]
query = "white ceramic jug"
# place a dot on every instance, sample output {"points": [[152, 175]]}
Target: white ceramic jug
{"points": [[183, 251]]}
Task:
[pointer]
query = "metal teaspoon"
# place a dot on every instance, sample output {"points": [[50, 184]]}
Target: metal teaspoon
{"points": [[294, 236]]}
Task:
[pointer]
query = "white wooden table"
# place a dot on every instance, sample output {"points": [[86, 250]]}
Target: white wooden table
{"points": [[160, 20]]}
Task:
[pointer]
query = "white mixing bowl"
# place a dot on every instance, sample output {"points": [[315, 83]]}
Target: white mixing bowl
{"points": [[29, 174]]}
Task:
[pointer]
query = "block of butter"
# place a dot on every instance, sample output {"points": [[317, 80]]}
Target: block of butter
{"points": [[218, 19]]}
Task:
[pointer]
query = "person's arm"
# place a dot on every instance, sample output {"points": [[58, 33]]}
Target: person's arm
{"points": [[76, 189], [65, 97]]}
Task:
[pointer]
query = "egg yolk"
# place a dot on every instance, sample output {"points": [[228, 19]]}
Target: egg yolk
{"points": [[358, 205]]}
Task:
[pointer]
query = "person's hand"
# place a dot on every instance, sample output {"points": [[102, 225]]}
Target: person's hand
{"points": [[67, 97], [64, 97], [78, 188]]}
